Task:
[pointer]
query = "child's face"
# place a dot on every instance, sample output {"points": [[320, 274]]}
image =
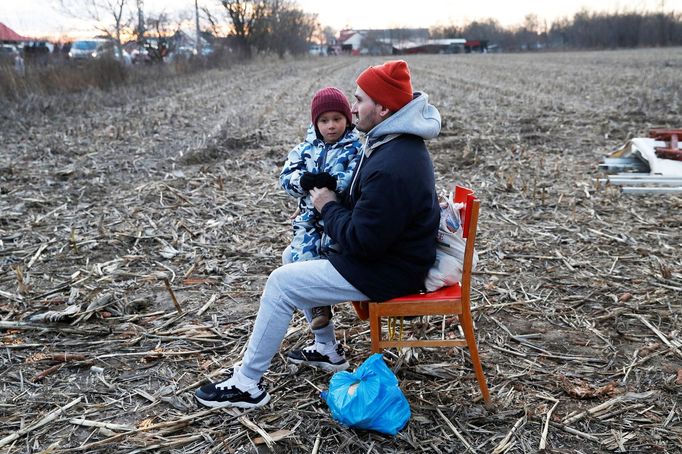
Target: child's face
{"points": [[331, 125]]}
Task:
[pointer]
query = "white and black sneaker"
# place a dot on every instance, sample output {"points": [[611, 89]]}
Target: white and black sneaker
{"points": [[229, 393], [330, 358]]}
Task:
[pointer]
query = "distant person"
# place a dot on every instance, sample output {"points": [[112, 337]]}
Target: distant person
{"points": [[43, 53], [325, 159], [19, 66], [57, 52], [385, 224]]}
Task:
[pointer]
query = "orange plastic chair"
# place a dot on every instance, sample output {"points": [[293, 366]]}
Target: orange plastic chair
{"points": [[453, 300]]}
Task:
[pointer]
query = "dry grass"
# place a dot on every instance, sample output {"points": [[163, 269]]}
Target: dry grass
{"points": [[106, 195], [54, 79], [62, 78]]}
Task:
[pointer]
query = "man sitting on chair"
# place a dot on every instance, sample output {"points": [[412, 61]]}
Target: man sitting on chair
{"points": [[386, 226]]}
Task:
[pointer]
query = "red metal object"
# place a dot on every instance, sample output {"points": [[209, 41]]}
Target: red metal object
{"points": [[671, 137]]}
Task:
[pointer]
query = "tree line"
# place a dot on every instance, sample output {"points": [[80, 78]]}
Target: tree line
{"points": [[586, 30], [253, 26]]}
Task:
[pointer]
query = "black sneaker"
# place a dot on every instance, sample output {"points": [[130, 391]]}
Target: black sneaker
{"points": [[332, 362], [321, 317], [224, 394]]}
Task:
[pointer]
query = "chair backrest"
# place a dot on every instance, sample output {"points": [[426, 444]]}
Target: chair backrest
{"points": [[463, 195], [469, 218]]}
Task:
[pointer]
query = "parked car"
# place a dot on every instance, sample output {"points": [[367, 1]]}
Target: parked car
{"points": [[90, 49], [37, 52], [207, 51], [126, 58], [8, 49], [139, 55], [10, 55]]}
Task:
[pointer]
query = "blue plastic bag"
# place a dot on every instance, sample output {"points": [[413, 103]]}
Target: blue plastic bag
{"points": [[368, 398]]}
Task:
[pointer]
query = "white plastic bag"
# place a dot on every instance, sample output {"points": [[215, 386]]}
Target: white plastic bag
{"points": [[447, 269]]}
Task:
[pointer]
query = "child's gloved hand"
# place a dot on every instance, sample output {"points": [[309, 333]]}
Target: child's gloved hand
{"points": [[325, 180], [308, 181]]}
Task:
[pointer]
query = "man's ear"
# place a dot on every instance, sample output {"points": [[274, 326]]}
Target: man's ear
{"points": [[384, 112]]}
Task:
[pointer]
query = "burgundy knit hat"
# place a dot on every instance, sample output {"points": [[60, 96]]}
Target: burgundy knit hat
{"points": [[388, 84], [330, 99]]}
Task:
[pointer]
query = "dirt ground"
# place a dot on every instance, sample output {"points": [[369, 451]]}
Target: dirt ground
{"points": [[107, 196]]}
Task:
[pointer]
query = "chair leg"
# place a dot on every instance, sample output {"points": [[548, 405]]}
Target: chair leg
{"points": [[467, 324], [374, 328], [361, 307]]}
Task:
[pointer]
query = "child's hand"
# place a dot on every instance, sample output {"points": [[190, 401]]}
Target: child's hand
{"points": [[307, 181], [317, 180], [321, 197], [325, 180], [296, 213]]}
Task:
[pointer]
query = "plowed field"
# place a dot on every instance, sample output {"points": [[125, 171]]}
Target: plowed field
{"points": [[110, 199]]}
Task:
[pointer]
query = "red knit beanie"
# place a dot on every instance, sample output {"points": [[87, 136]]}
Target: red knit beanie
{"points": [[388, 84], [330, 99]]}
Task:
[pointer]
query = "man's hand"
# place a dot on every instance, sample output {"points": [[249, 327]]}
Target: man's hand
{"points": [[322, 196]]}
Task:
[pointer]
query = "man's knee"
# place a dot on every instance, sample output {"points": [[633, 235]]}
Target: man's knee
{"points": [[289, 282], [278, 280]]}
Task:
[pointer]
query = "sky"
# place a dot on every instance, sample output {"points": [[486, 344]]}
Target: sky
{"points": [[46, 18]]}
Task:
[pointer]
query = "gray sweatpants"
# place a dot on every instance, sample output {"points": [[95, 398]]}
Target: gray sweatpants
{"points": [[299, 285]]}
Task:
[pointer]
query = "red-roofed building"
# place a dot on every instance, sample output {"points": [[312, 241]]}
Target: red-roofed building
{"points": [[7, 34], [350, 41]]}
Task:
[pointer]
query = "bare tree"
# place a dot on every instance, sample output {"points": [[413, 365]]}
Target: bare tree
{"points": [[212, 20], [528, 33], [247, 18], [446, 31], [278, 26], [157, 23], [290, 29], [327, 35], [111, 17], [139, 28]]}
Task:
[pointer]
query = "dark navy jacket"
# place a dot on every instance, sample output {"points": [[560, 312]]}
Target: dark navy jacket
{"points": [[387, 225]]}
